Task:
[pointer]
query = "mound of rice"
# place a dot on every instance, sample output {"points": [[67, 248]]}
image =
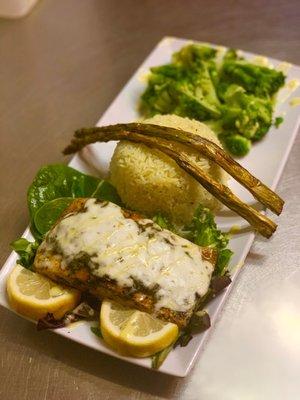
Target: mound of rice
{"points": [[149, 181]]}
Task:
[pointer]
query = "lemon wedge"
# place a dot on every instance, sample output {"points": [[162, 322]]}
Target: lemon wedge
{"points": [[34, 295], [134, 333]]}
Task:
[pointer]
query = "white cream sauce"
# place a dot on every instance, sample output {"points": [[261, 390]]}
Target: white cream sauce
{"points": [[125, 251]]}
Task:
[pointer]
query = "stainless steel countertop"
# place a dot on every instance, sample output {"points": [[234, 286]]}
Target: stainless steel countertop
{"points": [[60, 68]]}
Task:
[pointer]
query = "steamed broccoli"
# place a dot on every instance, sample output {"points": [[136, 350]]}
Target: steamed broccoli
{"points": [[234, 97], [193, 54], [255, 79], [237, 145], [245, 114], [278, 121], [184, 87], [231, 55]]}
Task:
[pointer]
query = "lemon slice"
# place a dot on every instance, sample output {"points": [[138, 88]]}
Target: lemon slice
{"points": [[34, 295], [134, 333]]}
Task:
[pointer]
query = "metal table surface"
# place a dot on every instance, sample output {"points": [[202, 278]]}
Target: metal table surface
{"points": [[60, 68]]}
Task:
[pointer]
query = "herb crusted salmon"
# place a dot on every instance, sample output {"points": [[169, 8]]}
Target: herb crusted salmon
{"points": [[117, 254]]}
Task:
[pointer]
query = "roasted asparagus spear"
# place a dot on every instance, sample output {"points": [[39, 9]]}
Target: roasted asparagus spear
{"points": [[163, 138]]}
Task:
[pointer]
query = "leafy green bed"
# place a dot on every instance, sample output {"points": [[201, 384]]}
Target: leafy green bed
{"points": [[56, 186]]}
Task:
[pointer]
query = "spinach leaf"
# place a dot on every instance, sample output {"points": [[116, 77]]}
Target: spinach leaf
{"points": [[46, 216], [106, 191], [59, 181], [54, 181], [26, 250]]}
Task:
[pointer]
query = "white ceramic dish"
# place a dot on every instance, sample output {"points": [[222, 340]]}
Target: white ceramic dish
{"points": [[266, 161]]}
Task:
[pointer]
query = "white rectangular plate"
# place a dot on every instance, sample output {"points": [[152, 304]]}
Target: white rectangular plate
{"points": [[266, 161]]}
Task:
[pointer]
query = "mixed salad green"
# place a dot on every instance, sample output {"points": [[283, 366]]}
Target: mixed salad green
{"points": [[233, 96], [203, 231]]}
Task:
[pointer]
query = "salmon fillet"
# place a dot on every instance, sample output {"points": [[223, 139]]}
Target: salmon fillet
{"points": [[117, 254]]}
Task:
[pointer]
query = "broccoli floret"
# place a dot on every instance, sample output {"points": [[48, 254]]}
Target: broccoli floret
{"points": [[193, 55], [174, 88], [179, 97], [246, 114], [237, 145], [156, 101], [216, 125], [168, 71], [200, 60], [228, 93], [231, 55], [278, 121], [196, 95], [156, 98], [231, 95], [194, 106], [258, 80]]}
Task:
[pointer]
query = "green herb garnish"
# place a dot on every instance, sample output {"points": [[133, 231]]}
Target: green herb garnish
{"points": [[203, 231], [26, 251], [158, 358], [163, 222], [97, 331]]}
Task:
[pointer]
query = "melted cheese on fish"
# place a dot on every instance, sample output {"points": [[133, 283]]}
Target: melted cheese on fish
{"points": [[133, 252]]}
